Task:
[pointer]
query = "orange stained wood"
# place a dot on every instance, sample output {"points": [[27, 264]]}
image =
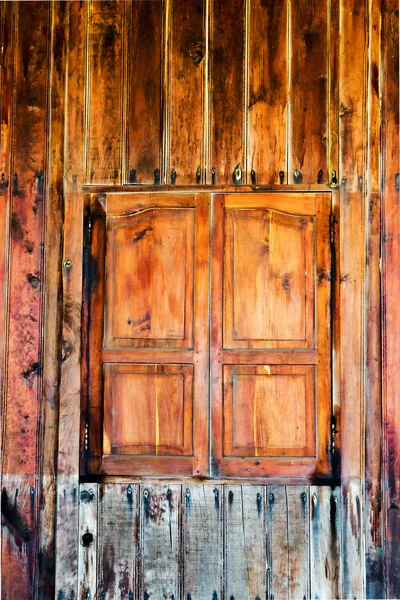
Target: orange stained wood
{"points": [[271, 335], [149, 408]]}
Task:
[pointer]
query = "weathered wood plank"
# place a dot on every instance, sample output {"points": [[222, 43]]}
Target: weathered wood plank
{"points": [[67, 538], [88, 539], [202, 541], [333, 89], [268, 90], [185, 92], [53, 298], [353, 557], [22, 407], [245, 541], [105, 98], [288, 541], [390, 289], [144, 85], [227, 51], [159, 570], [118, 540], [308, 116], [325, 543]]}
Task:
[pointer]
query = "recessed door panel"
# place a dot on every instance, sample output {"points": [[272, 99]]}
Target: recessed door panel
{"points": [[268, 279], [150, 279]]}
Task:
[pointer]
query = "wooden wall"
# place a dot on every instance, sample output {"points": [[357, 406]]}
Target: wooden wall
{"points": [[104, 94]]}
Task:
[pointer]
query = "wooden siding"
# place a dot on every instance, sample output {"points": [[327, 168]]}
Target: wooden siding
{"points": [[112, 93]]}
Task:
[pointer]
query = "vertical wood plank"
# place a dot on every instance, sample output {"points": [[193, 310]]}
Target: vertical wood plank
{"points": [[105, 92], [288, 541], [202, 541], [118, 540], [308, 117], [186, 93], [53, 298], [390, 289], [373, 397], [88, 538], [67, 538], [227, 60], [22, 406], [144, 63], [245, 541], [353, 557], [325, 543], [268, 90], [160, 541], [333, 89]]}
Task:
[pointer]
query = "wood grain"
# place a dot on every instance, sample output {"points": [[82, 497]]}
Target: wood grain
{"points": [[105, 91], [202, 541], [159, 541], [145, 57], [21, 406], [227, 54], [391, 313], [67, 543], [308, 120], [88, 558], [267, 90], [186, 90], [245, 541], [118, 540], [325, 542]]}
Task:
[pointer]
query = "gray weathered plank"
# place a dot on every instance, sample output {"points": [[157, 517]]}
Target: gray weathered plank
{"points": [[288, 541], [118, 539], [325, 543], [202, 526], [245, 541], [87, 554], [159, 541], [353, 556]]}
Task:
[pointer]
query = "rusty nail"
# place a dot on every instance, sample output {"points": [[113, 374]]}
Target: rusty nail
{"points": [[281, 177], [253, 177], [213, 174], [74, 179], [68, 263], [271, 497], [297, 176], [156, 176], [173, 176], [34, 281], [344, 180], [334, 178], [237, 174], [91, 173], [132, 176], [319, 177], [198, 174]]}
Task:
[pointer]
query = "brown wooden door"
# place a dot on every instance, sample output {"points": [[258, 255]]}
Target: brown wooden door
{"points": [[148, 347], [271, 335]]}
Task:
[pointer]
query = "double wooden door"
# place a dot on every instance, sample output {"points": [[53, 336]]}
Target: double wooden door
{"points": [[208, 350]]}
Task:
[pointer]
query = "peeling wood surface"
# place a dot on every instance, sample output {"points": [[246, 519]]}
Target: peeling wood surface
{"points": [[88, 540]]}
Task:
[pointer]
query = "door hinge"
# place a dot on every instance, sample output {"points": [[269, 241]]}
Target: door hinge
{"points": [[332, 228], [334, 432], [86, 436]]}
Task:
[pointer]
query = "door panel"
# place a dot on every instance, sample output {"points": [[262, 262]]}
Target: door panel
{"points": [[271, 335], [148, 396]]}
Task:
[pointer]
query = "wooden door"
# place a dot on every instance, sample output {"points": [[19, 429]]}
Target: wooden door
{"points": [[147, 344], [271, 335]]}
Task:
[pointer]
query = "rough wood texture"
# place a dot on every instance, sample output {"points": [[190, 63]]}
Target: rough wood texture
{"points": [[159, 573], [308, 121], [144, 89], [391, 312], [21, 410], [325, 542], [88, 539], [67, 538], [268, 90], [202, 541], [105, 98], [118, 540], [245, 542], [288, 541]]}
